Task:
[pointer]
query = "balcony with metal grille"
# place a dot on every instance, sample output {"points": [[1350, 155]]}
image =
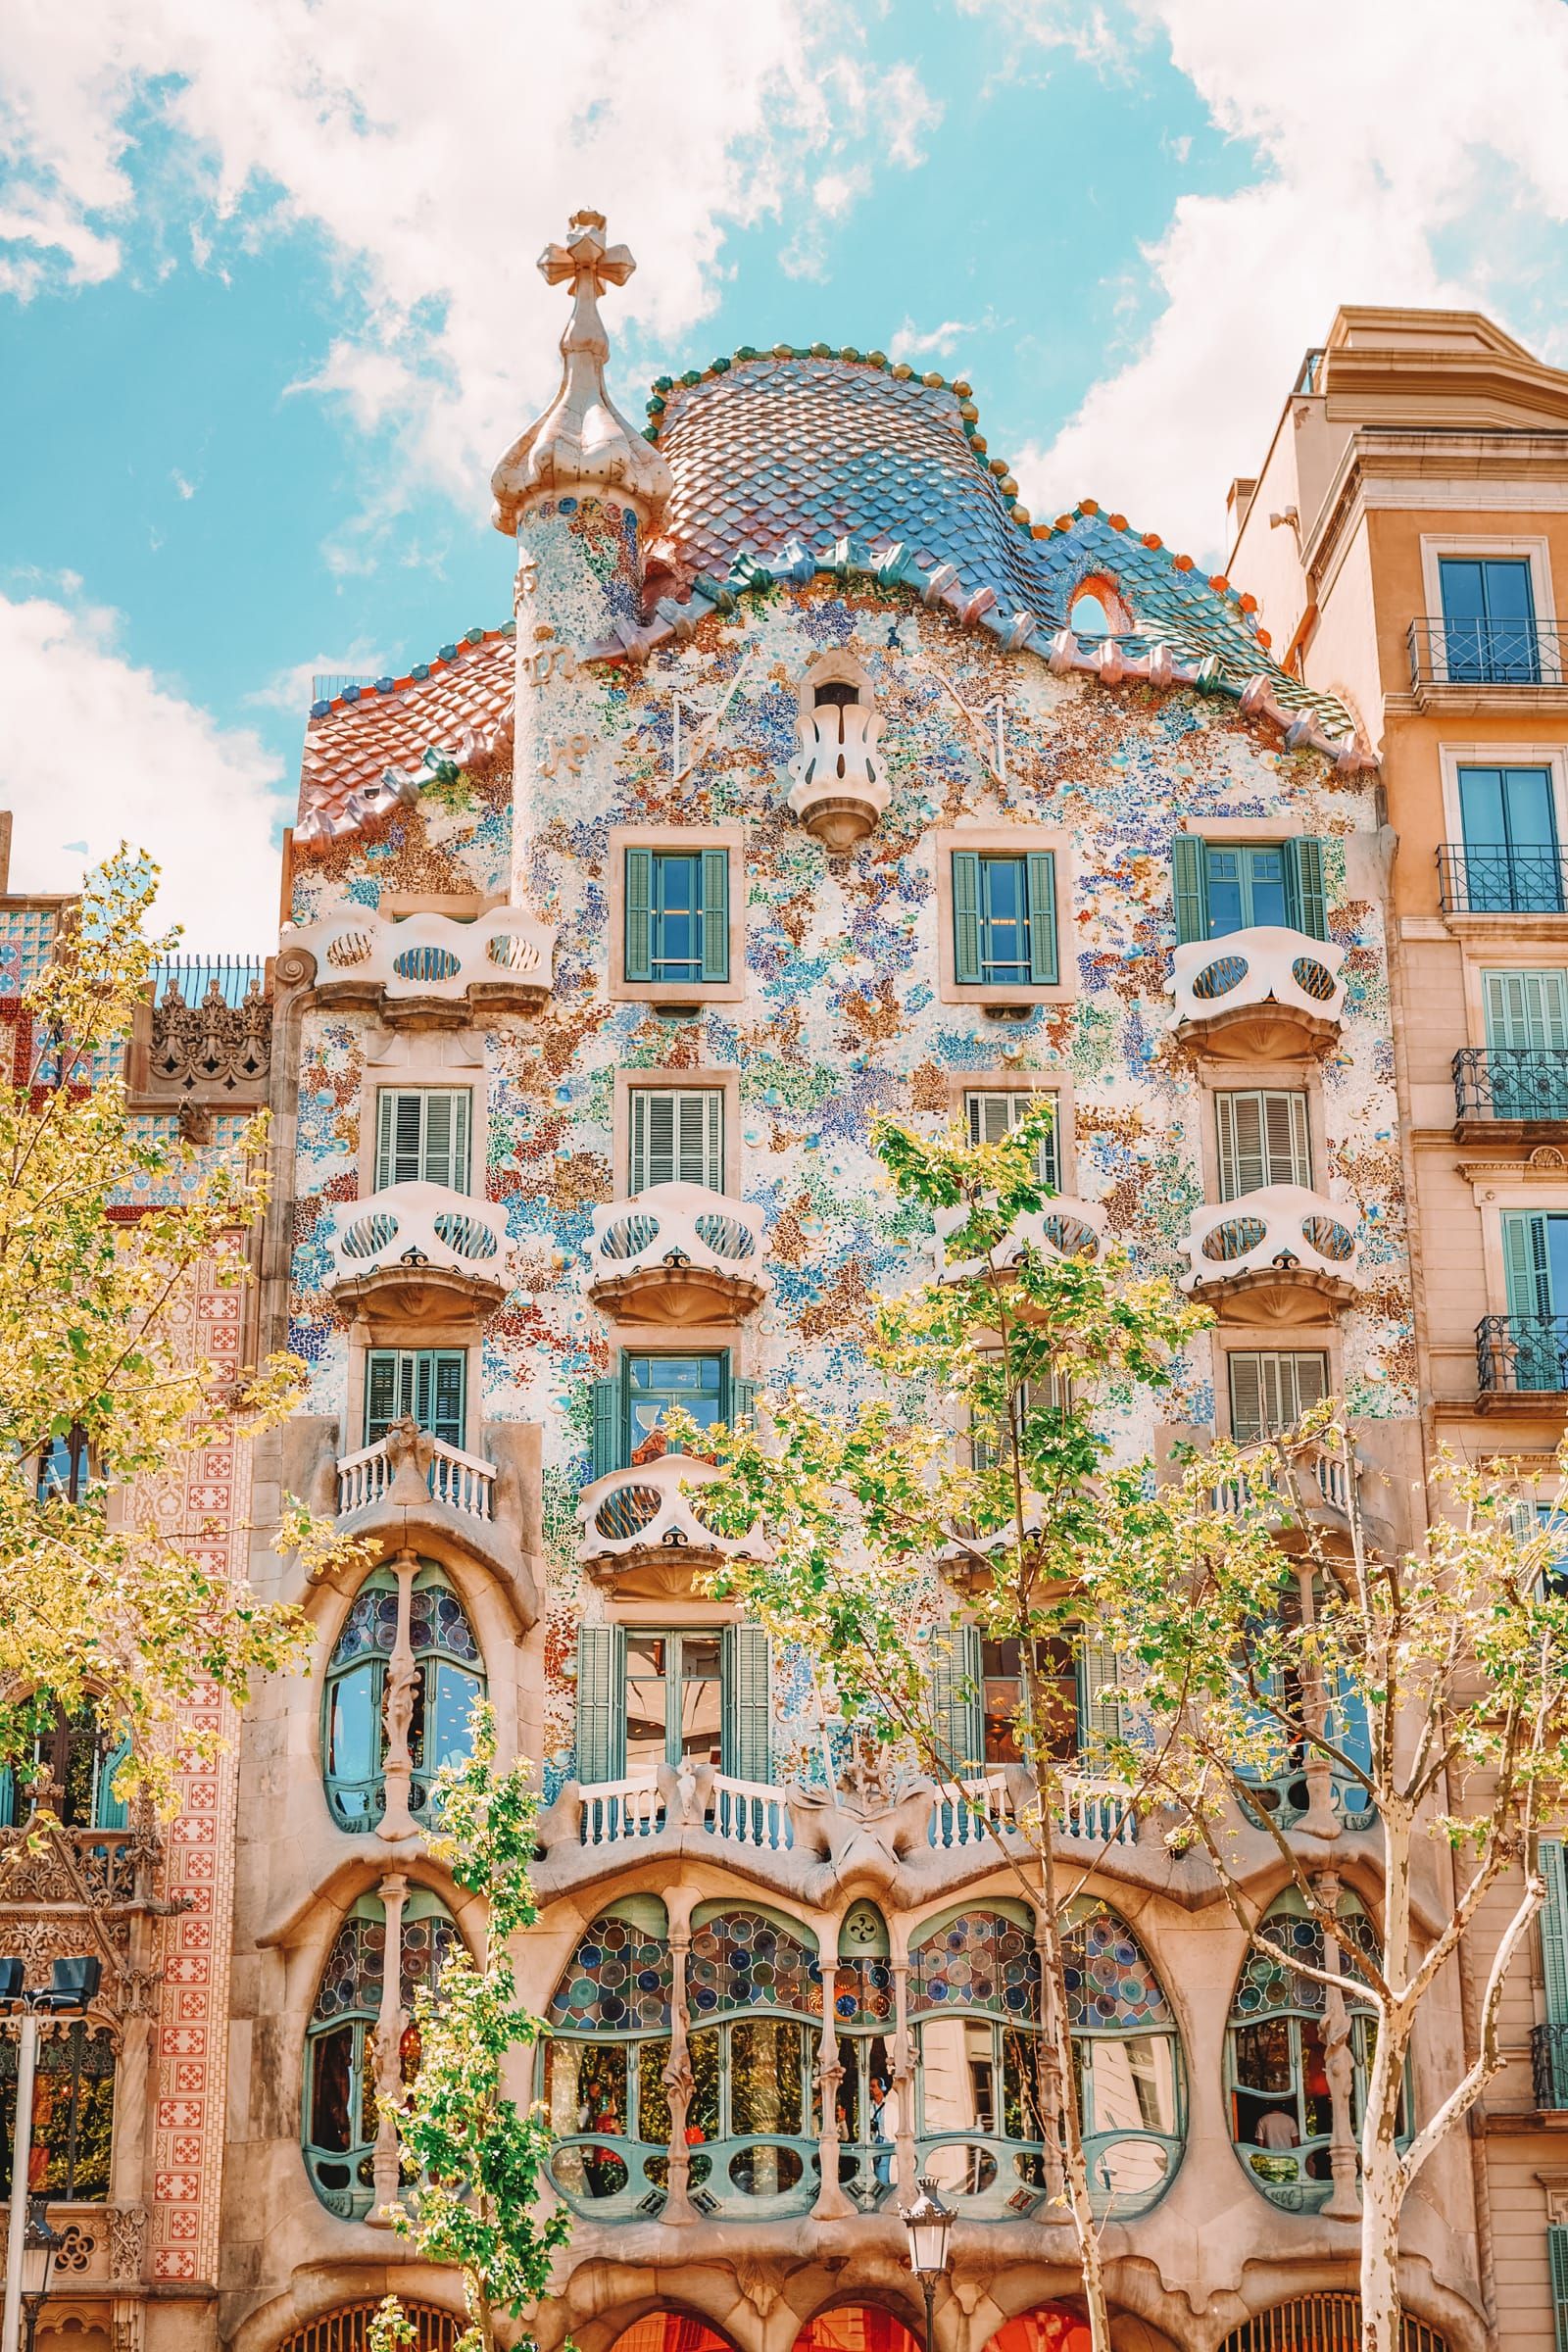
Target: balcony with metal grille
{"points": [[1518, 1089], [1495, 877], [1279, 1254], [1549, 2068], [1253, 995], [1522, 1357], [1471, 663]]}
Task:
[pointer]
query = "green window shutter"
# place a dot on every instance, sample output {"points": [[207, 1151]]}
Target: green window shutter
{"points": [[715, 915], [956, 1720], [109, 1811], [382, 1399], [1527, 1012], [1525, 1260], [1303, 886], [1099, 1711], [966, 917], [1558, 2254], [639, 916], [1040, 870], [1190, 874], [748, 1740], [608, 1421], [443, 1380], [601, 1702], [1555, 1930], [741, 1399]]}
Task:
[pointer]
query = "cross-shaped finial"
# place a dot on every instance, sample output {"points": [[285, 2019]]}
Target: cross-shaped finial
{"points": [[585, 257]]}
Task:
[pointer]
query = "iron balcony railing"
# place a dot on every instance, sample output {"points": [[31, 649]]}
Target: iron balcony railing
{"points": [[1485, 653], [194, 975], [1528, 1352], [1497, 1082], [1548, 2067], [1496, 878]]}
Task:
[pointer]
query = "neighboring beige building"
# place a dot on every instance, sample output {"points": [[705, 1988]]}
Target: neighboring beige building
{"points": [[1403, 538]]}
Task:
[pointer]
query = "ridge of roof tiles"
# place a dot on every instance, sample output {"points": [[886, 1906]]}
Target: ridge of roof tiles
{"points": [[372, 749]]}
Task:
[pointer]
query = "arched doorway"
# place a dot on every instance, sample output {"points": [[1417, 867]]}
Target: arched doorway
{"points": [[671, 2331], [1330, 2322], [1047, 2329], [348, 2330], [855, 2328]]}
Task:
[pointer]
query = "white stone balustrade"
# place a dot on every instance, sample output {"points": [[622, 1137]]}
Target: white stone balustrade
{"points": [[1273, 1247], [840, 788], [1320, 1470], [1086, 1807], [416, 1247], [1253, 992], [361, 954], [1064, 1228], [752, 1813], [614, 1811], [748, 1813], [677, 1254], [644, 1527], [425, 1465]]}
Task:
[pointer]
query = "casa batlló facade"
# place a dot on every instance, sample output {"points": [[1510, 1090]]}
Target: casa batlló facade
{"points": [[811, 781]]}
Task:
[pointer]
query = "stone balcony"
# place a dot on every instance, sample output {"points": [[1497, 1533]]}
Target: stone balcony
{"points": [[1254, 995], [411, 1465], [424, 971], [417, 1253], [1279, 1256], [643, 1530], [678, 1254], [1067, 1228], [839, 790]]}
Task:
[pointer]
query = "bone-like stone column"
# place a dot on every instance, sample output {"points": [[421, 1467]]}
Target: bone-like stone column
{"points": [[388, 2047], [679, 2084], [402, 1682]]}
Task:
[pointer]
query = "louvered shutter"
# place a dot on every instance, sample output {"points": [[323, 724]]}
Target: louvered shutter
{"points": [[653, 1130], [1040, 876], [1240, 1125], [383, 1401], [715, 915], [742, 1401], [1555, 1930], [1309, 1381], [957, 1719], [748, 1710], [1304, 889], [1100, 1707], [601, 1702], [1557, 2255], [699, 1138], [990, 1118], [966, 917], [1247, 1396], [109, 1811], [440, 1381], [445, 1157], [1287, 1143], [639, 943], [1526, 1263], [607, 1423], [1190, 878], [398, 1125]]}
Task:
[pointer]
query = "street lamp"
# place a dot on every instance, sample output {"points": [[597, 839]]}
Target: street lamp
{"points": [[39, 2245], [929, 2227], [73, 1986]]}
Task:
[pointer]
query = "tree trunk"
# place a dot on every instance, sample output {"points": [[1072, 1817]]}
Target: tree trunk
{"points": [[1382, 2195]]}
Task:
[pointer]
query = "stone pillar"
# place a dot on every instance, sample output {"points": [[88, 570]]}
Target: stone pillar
{"points": [[1345, 2200], [1050, 2093], [903, 2064], [679, 2082], [388, 2048], [402, 1682], [832, 2205]]}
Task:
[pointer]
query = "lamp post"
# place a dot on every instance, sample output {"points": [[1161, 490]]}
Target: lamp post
{"points": [[929, 2227], [39, 2245], [72, 1985]]}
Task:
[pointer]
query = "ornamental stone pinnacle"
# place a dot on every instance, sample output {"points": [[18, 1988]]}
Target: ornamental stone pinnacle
{"points": [[582, 442]]}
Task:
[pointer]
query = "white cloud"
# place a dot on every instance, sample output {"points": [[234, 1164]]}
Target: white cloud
{"points": [[935, 342], [436, 156], [97, 750], [1402, 150], [289, 690], [836, 192], [182, 484]]}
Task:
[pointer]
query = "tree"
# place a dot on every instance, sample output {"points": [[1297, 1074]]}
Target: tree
{"points": [[101, 1391], [1040, 1346], [1431, 1680], [476, 2158]]}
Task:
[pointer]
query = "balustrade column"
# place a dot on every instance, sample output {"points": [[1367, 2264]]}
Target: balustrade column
{"points": [[832, 2204], [402, 1682], [388, 2050], [679, 2083], [904, 2071], [1339, 2065]]}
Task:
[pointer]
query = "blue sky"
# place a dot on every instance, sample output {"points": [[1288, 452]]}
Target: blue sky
{"points": [[269, 311]]}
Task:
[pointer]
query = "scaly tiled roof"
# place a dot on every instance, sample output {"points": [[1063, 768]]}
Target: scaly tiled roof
{"points": [[369, 749]]}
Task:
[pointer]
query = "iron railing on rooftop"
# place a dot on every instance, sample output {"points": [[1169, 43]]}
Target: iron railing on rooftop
{"points": [[1549, 2067], [194, 975], [1493, 877], [1485, 653], [1522, 1353], [330, 684], [1514, 1082]]}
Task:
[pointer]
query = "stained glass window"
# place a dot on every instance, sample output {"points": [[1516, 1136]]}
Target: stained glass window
{"points": [[745, 1960], [602, 2070], [449, 1675], [616, 1982], [1112, 1988], [73, 2114], [981, 1960]]}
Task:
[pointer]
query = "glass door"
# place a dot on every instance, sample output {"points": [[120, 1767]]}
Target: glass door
{"points": [[1510, 840], [1526, 1044], [1488, 621]]}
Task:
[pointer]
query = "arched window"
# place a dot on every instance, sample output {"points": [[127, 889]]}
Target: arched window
{"points": [[975, 2002], [754, 1989], [1097, 609], [70, 1772], [73, 2114], [603, 2064], [855, 2328], [862, 2016], [671, 2331], [1328, 2322], [1286, 1795], [339, 2123], [1048, 2328], [448, 1677], [1282, 2046], [1127, 2061], [348, 2329]]}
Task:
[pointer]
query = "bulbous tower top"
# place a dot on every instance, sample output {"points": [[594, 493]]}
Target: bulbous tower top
{"points": [[582, 442]]}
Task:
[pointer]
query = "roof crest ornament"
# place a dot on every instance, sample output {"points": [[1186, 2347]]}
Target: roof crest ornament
{"points": [[582, 442]]}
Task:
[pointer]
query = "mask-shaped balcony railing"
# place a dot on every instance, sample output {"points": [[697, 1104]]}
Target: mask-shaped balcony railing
{"points": [[839, 790], [1282, 1254], [643, 1529], [677, 1254], [411, 1465], [1256, 993], [1064, 1228], [429, 969], [418, 1253]]}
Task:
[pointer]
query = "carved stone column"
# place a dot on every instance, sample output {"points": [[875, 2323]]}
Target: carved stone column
{"points": [[402, 1683], [1339, 2065], [388, 2049], [679, 2082], [1319, 1819], [904, 2065], [832, 2205], [1050, 2093]]}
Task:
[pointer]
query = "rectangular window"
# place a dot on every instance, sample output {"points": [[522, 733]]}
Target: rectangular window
{"points": [[677, 915], [1003, 1695], [673, 1701], [1271, 1388], [429, 1383], [992, 1115], [1227, 886], [698, 1383], [1005, 920], [1263, 1140], [1509, 826], [1526, 1044], [646, 1698], [422, 1136], [1489, 620], [677, 1137]]}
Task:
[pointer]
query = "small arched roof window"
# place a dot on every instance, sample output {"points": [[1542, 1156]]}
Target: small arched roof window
{"points": [[1096, 609]]}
